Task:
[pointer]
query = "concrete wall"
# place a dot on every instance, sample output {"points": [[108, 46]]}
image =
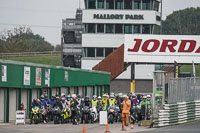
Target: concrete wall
{"points": [[143, 86], [12, 104], [1, 105]]}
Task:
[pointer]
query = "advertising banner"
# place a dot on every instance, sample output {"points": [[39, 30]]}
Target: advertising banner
{"points": [[162, 48], [38, 76], [66, 76], [4, 73], [47, 77], [27, 75]]}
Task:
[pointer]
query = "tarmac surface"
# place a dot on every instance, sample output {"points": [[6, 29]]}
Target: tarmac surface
{"points": [[68, 128], [193, 127]]}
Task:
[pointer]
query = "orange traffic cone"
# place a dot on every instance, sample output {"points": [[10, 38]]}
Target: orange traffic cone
{"points": [[84, 130], [107, 129], [132, 126], [123, 127]]}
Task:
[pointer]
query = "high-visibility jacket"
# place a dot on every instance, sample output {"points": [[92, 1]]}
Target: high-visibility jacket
{"points": [[126, 105], [94, 103], [112, 102], [105, 101]]}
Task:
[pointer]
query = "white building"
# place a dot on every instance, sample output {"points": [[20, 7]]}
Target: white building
{"points": [[105, 23]]}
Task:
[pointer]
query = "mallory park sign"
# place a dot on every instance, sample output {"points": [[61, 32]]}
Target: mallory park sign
{"points": [[118, 16]]}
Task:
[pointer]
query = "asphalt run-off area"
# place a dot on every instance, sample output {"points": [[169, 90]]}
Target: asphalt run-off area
{"points": [[193, 127]]}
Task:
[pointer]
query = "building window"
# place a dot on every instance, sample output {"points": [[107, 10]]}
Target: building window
{"points": [[127, 4], [100, 28], [118, 28], [146, 29], [90, 52], [146, 4], [137, 4], [109, 28], [99, 52], [119, 4], [91, 28], [109, 4], [91, 4], [100, 4], [128, 29], [108, 51], [156, 6], [137, 28]]}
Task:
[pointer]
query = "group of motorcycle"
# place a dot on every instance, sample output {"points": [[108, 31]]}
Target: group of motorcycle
{"points": [[86, 114]]}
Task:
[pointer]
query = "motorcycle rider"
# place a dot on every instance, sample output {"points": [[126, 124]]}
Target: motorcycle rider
{"points": [[105, 101], [58, 103], [94, 101], [73, 106], [35, 103], [112, 100], [52, 101], [87, 103], [149, 99], [43, 102], [143, 105]]}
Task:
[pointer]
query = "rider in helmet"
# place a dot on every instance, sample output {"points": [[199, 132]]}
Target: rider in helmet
{"points": [[52, 101], [94, 101], [105, 101], [58, 103], [73, 105], [35, 103], [43, 102], [112, 100]]}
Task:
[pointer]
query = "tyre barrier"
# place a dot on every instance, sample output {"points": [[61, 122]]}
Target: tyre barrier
{"points": [[174, 114]]}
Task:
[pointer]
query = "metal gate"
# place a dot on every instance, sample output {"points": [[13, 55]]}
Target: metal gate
{"points": [[183, 90]]}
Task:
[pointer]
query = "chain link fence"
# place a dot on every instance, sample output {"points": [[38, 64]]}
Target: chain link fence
{"points": [[183, 90]]}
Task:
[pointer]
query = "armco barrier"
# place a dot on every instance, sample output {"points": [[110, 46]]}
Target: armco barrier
{"points": [[173, 114]]}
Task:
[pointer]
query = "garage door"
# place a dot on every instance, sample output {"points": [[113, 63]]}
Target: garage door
{"points": [[12, 104], [1, 105], [34, 93]]}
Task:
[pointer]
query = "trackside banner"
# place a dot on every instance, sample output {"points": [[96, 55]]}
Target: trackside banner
{"points": [[161, 48]]}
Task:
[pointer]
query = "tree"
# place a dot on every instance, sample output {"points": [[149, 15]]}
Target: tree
{"points": [[182, 22], [22, 39], [58, 47]]}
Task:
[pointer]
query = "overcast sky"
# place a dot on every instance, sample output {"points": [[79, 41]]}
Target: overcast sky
{"points": [[44, 17]]}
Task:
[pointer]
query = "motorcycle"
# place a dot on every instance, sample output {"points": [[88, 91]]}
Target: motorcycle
{"points": [[111, 114], [35, 115], [94, 113], [57, 115], [64, 115], [86, 114], [118, 114]]}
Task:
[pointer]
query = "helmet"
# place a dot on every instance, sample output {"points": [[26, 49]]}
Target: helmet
{"points": [[34, 100], [79, 96], [63, 98], [144, 97], [148, 96], [112, 96], [42, 96], [87, 98], [133, 95], [99, 97], [105, 96], [63, 94], [94, 96]]}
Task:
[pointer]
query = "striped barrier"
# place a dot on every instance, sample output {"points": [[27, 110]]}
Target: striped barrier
{"points": [[173, 114]]}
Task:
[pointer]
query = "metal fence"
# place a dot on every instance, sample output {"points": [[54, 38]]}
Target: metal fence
{"points": [[183, 90]]}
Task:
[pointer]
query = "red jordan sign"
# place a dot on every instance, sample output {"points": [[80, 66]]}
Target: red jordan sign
{"points": [[162, 48]]}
